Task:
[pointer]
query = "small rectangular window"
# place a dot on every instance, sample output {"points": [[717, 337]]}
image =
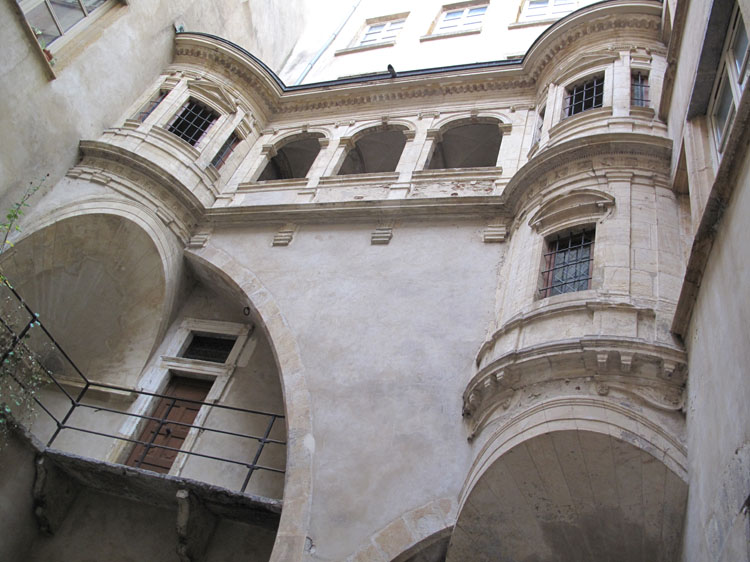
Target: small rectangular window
{"points": [[547, 9], [382, 32], [639, 93], [584, 96], [739, 48], [213, 348], [225, 151], [460, 19], [148, 109], [192, 122], [567, 263]]}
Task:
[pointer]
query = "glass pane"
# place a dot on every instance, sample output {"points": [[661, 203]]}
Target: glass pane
{"points": [[41, 22], [723, 108], [477, 11], [453, 15], [68, 13], [92, 5], [739, 47]]}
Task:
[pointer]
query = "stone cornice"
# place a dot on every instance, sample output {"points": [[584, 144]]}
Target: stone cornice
{"points": [[108, 161], [637, 151], [594, 24], [628, 369], [478, 207]]}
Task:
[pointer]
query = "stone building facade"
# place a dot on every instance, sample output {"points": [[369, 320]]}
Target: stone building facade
{"points": [[485, 310]]}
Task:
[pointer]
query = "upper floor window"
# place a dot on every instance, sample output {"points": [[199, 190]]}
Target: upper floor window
{"points": [[453, 20], [381, 32], [214, 348], [731, 79], [50, 19], [548, 9], [584, 95], [639, 94], [566, 266], [192, 122], [151, 104]]}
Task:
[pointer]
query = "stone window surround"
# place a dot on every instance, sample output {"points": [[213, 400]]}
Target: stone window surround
{"points": [[156, 378], [356, 44], [62, 47]]}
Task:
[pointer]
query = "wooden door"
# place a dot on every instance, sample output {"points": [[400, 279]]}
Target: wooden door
{"points": [[162, 431]]}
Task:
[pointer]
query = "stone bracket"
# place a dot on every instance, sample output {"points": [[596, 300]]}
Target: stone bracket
{"points": [[285, 235], [382, 234], [195, 527], [494, 233], [54, 493]]}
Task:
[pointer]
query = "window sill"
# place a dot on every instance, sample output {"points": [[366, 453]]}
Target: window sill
{"points": [[362, 48], [450, 35]]}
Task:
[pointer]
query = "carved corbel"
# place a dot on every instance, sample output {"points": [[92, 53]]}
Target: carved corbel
{"points": [[54, 492], [195, 527]]}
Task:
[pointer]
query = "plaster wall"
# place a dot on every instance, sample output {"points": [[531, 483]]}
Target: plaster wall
{"points": [[387, 335], [718, 393], [104, 67], [16, 509], [504, 34]]}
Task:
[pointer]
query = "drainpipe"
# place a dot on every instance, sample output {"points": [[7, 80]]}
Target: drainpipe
{"points": [[322, 50]]}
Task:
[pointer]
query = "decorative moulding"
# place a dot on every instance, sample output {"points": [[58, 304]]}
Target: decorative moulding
{"points": [[576, 206], [626, 369], [213, 93]]}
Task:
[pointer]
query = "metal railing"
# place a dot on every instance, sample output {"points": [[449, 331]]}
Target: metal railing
{"points": [[19, 322]]}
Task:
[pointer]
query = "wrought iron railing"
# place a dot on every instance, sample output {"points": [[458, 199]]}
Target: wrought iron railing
{"points": [[23, 335]]}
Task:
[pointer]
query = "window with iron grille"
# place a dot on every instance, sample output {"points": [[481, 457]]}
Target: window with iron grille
{"points": [[639, 94], [584, 96], [567, 263], [225, 151], [192, 121], [148, 109]]}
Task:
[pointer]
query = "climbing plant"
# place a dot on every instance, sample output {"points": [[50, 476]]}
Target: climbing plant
{"points": [[22, 373]]}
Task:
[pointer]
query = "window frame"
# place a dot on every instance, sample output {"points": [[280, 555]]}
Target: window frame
{"points": [[551, 10], [571, 90], [151, 105], [731, 78], [226, 150], [462, 25], [382, 35], [181, 116], [546, 283], [640, 92]]}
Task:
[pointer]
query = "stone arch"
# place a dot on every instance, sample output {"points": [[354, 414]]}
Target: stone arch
{"points": [[292, 155], [102, 276], [466, 142], [291, 536], [375, 148], [574, 476], [418, 532]]}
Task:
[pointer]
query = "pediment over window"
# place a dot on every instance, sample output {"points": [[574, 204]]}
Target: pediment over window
{"points": [[213, 93], [571, 208]]}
